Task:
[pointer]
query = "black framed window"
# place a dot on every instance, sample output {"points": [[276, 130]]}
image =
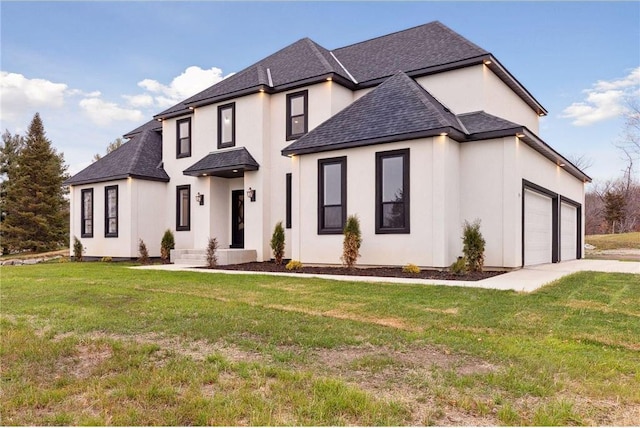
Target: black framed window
{"points": [[183, 208], [288, 202], [86, 227], [111, 211], [183, 138], [227, 125], [332, 195], [392, 191], [297, 114]]}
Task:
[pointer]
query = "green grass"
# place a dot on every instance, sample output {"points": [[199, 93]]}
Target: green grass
{"points": [[102, 344], [614, 241]]}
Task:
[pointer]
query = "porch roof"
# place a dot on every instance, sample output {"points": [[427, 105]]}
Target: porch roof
{"points": [[225, 163]]}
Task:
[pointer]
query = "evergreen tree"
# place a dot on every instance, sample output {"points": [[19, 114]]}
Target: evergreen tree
{"points": [[36, 211], [11, 146]]}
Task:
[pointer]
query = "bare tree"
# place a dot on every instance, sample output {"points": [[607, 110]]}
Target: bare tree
{"points": [[580, 160], [110, 147]]}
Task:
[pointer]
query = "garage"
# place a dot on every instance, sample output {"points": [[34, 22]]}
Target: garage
{"points": [[538, 228], [568, 231]]}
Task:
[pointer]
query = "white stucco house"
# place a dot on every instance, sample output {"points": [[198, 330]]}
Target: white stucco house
{"points": [[415, 132]]}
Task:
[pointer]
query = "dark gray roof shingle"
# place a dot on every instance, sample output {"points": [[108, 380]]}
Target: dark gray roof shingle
{"points": [[223, 163], [140, 157], [152, 125], [398, 109], [480, 122]]}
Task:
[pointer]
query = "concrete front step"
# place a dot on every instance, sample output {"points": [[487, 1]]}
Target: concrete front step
{"points": [[227, 256]]}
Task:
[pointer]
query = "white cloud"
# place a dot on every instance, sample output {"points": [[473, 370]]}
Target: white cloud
{"points": [[142, 100], [193, 80], [19, 94], [102, 113], [604, 100]]}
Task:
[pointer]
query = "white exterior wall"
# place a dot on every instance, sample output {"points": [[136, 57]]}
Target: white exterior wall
{"points": [[477, 88], [434, 237], [147, 222]]}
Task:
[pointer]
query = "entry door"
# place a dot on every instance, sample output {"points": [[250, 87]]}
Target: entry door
{"points": [[568, 232], [538, 228], [237, 219]]}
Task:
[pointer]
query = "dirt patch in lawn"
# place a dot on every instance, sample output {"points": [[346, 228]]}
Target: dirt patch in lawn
{"points": [[387, 272]]}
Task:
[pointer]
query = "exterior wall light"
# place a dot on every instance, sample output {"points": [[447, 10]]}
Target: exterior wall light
{"points": [[251, 194], [487, 62], [444, 134], [520, 135], [200, 198]]}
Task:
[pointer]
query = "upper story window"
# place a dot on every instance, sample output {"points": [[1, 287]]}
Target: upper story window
{"points": [[111, 211], [332, 195], [392, 191], [297, 114], [183, 138], [227, 125], [86, 227], [183, 208]]}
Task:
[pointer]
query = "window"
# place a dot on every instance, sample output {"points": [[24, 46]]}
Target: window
{"points": [[288, 202], [86, 228], [297, 109], [332, 195], [183, 208], [111, 211], [392, 191], [183, 148], [227, 125]]}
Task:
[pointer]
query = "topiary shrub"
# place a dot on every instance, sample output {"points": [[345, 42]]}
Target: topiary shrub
{"points": [[473, 247], [78, 249], [459, 267], [411, 268], [143, 253], [167, 244], [293, 265], [352, 241], [277, 243], [212, 249]]}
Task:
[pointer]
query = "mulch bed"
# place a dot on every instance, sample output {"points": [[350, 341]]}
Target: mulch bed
{"points": [[394, 272]]}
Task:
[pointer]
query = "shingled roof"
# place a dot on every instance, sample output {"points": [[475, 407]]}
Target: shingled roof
{"points": [[140, 157], [229, 163], [398, 109], [416, 48]]}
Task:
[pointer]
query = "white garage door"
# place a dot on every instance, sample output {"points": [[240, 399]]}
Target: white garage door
{"points": [[568, 231], [538, 235]]}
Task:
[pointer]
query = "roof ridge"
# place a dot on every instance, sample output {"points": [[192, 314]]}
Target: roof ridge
{"points": [[138, 151], [427, 99], [321, 57], [391, 34]]}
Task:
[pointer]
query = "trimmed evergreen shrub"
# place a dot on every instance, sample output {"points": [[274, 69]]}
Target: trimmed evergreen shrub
{"points": [[411, 268], [143, 253], [212, 249], [78, 249], [459, 267], [277, 243], [473, 248], [352, 241], [167, 244]]}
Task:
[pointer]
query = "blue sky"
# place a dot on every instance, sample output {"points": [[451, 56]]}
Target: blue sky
{"points": [[95, 71]]}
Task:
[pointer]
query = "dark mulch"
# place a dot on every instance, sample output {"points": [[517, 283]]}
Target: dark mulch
{"points": [[395, 272]]}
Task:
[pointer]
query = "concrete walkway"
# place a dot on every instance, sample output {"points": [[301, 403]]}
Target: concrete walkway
{"points": [[526, 279]]}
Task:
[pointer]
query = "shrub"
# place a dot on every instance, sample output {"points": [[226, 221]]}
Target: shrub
{"points": [[459, 267], [352, 241], [212, 248], [167, 244], [411, 268], [473, 248], [277, 243], [106, 259], [78, 249], [143, 253], [293, 265]]}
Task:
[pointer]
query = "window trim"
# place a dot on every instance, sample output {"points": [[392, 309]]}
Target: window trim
{"points": [[221, 144], [179, 227], [83, 219], [288, 187], [186, 154], [305, 96], [342, 161], [404, 153], [107, 234]]}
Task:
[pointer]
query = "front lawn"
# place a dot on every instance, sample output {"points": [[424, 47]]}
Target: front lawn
{"points": [[98, 343], [614, 241]]}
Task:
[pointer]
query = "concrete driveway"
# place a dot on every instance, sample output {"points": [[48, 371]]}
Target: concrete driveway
{"points": [[527, 279]]}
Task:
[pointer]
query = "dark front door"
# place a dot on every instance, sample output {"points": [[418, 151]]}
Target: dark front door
{"points": [[237, 219]]}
